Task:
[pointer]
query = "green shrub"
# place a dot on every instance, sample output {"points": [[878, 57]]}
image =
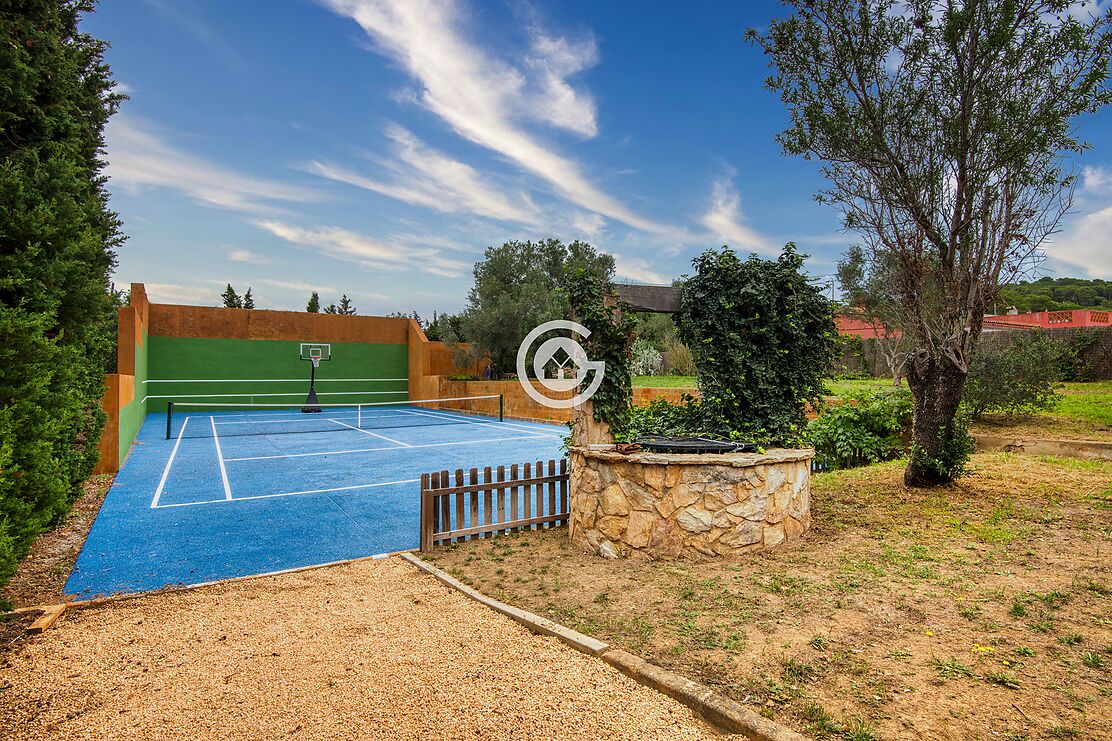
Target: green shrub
{"points": [[762, 337], [865, 430], [680, 361], [56, 242], [1017, 376], [661, 417]]}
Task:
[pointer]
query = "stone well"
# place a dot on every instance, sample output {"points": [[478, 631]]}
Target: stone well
{"points": [[664, 505]]}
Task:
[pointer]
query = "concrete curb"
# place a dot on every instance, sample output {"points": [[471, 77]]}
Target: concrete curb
{"points": [[535, 623], [1086, 449], [719, 711]]}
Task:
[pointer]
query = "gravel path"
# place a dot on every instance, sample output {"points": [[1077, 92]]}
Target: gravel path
{"points": [[373, 649]]}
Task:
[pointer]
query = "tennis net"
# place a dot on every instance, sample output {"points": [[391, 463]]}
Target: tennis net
{"points": [[203, 419]]}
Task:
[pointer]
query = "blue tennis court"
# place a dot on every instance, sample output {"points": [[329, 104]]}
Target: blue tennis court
{"points": [[239, 492]]}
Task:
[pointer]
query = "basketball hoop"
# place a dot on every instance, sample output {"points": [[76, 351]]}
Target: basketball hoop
{"points": [[315, 360], [314, 353]]}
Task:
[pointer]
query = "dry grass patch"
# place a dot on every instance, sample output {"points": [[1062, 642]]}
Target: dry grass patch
{"points": [[902, 613]]}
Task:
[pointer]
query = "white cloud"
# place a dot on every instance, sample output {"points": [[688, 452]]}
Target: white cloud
{"points": [[236, 254], [559, 104], [174, 293], [138, 158], [637, 269], [723, 219], [370, 253], [426, 177], [1096, 179], [298, 286], [1086, 244], [589, 224], [480, 96]]}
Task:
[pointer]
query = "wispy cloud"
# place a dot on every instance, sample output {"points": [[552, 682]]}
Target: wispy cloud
{"points": [[636, 269], [368, 252], [1096, 179], [1086, 244], [175, 293], [137, 158], [236, 254], [480, 96], [427, 177], [724, 220]]}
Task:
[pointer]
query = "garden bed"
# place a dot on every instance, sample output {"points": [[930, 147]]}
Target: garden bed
{"points": [[965, 612]]}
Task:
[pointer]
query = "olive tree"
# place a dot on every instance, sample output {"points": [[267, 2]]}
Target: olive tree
{"points": [[942, 129]]}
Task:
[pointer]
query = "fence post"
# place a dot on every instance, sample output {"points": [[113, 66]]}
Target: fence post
{"points": [[426, 513]]}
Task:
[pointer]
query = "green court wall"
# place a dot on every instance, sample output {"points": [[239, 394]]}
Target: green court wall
{"points": [[250, 371], [134, 412]]}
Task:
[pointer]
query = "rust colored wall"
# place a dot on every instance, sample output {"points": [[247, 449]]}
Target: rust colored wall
{"points": [[172, 320], [109, 447], [642, 395], [441, 364]]}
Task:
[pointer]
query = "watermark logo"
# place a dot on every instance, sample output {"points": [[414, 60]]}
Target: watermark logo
{"points": [[566, 357]]}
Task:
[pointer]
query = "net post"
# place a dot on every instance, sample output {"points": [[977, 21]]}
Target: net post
{"points": [[501, 404], [359, 416], [169, 417]]}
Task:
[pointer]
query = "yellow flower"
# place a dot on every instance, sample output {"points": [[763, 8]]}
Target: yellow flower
{"points": [[929, 632]]}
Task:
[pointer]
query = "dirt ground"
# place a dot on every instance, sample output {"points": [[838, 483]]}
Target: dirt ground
{"points": [[369, 650], [41, 577], [981, 611]]}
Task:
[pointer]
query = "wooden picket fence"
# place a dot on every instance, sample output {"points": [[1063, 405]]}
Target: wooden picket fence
{"points": [[523, 498]]}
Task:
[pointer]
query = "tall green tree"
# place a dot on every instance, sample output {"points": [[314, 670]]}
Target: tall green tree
{"points": [[248, 299], [57, 242], [346, 306], [520, 285], [313, 307], [232, 300], [942, 127]]}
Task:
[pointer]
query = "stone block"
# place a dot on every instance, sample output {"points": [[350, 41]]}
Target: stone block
{"points": [[612, 527], [606, 549], [654, 478], [717, 496], [678, 496], [666, 540], [773, 535], [753, 507], [775, 478], [694, 520], [672, 476], [639, 529], [800, 504], [793, 528], [778, 503], [613, 501], [743, 534], [639, 496]]}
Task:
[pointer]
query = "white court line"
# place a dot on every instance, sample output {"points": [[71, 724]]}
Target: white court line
{"points": [[289, 493], [295, 393], [372, 434], [477, 422], [303, 418], [368, 450], [166, 471], [220, 457]]}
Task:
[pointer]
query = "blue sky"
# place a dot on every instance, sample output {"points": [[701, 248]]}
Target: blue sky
{"points": [[377, 147]]}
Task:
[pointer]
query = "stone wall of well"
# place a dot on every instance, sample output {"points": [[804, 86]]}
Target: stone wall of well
{"points": [[669, 505]]}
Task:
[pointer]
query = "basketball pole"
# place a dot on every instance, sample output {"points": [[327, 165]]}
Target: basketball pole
{"points": [[311, 403]]}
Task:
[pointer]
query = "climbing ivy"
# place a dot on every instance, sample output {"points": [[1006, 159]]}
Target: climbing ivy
{"points": [[596, 307], [762, 338]]}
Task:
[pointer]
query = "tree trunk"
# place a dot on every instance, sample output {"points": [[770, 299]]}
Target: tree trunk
{"points": [[936, 385]]}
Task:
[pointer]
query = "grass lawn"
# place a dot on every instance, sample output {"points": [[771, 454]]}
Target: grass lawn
{"points": [[983, 610], [664, 381]]}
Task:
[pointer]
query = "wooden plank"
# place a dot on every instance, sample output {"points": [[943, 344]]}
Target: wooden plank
{"points": [[482, 528], [427, 511], [488, 504], [445, 505], [564, 487], [527, 493], [502, 499], [513, 496], [459, 500], [474, 479], [49, 615], [540, 491], [467, 488], [551, 487]]}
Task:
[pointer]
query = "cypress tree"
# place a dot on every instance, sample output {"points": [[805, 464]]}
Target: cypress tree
{"points": [[313, 307], [57, 242]]}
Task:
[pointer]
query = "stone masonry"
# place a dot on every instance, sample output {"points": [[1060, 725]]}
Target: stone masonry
{"points": [[660, 505]]}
